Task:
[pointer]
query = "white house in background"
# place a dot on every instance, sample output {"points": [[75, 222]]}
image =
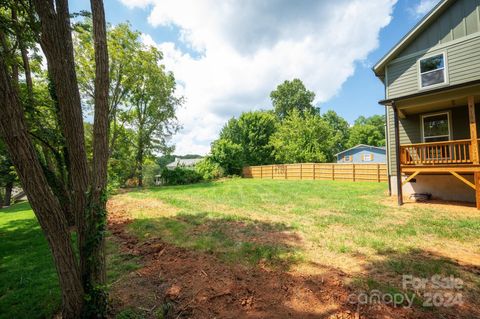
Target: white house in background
{"points": [[178, 162], [184, 163]]}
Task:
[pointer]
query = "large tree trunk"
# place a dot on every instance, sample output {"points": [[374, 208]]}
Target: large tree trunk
{"points": [[8, 193], [82, 283], [93, 271], [45, 205], [57, 45]]}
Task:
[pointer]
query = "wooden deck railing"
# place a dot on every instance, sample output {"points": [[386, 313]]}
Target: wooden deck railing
{"points": [[435, 153]]}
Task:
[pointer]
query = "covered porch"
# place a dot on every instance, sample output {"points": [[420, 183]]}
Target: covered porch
{"points": [[437, 134]]}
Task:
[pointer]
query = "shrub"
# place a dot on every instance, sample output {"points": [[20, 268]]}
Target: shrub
{"points": [[209, 169], [229, 155], [180, 176]]}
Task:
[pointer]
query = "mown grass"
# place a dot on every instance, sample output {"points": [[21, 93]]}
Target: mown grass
{"points": [[288, 224], [342, 225], [28, 282]]}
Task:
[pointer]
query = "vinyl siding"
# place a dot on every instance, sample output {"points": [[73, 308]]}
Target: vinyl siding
{"points": [[459, 20], [356, 154], [457, 34], [462, 60]]}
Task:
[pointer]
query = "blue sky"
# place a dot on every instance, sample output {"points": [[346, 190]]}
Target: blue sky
{"points": [[227, 56]]}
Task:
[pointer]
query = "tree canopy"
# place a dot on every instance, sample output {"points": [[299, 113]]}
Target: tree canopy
{"points": [[292, 95], [306, 138], [370, 131]]}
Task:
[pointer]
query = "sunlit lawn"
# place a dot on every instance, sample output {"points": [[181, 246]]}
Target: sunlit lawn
{"points": [[348, 226], [296, 225]]}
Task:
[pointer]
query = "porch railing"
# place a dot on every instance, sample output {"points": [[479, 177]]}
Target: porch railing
{"points": [[448, 152]]}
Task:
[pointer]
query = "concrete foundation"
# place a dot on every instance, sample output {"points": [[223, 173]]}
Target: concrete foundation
{"points": [[445, 187]]}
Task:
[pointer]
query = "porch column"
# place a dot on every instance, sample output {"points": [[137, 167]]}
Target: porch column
{"points": [[474, 146], [476, 177], [397, 155], [473, 130]]}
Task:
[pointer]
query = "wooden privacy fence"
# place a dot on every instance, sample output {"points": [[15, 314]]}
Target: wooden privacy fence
{"points": [[320, 171]]}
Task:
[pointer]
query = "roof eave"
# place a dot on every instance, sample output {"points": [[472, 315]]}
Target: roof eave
{"points": [[379, 67]]}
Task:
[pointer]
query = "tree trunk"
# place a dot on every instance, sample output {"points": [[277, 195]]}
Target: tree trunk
{"points": [[140, 165], [57, 45], [8, 193], [1, 198], [93, 271], [45, 205]]}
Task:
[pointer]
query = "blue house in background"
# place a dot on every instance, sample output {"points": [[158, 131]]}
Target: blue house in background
{"points": [[362, 154]]}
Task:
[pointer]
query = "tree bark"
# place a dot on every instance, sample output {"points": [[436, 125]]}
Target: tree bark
{"points": [[8, 193], [93, 271], [57, 45], [140, 164], [45, 205]]}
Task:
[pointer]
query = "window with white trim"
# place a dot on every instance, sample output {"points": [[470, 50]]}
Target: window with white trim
{"points": [[432, 70], [367, 157], [436, 127]]}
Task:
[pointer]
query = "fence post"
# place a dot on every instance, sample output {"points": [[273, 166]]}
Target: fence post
{"points": [[353, 172], [333, 172], [301, 171], [272, 171], [378, 173], [314, 170], [261, 172], [286, 168]]}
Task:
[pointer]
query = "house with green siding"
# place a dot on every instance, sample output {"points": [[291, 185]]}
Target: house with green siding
{"points": [[432, 91]]}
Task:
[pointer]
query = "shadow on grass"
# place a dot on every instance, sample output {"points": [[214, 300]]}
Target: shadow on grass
{"points": [[18, 207], [28, 282], [215, 251], [156, 189], [230, 238]]}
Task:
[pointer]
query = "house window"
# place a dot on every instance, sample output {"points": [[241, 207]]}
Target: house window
{"points": [[432, 71], [367, 157], [347, 158], [436, 127]]}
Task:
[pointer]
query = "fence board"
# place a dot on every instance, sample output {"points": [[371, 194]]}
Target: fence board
{"points": [[319, 171]]}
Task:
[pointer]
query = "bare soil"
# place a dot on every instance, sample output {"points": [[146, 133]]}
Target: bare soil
{"points": [[178, 283]]}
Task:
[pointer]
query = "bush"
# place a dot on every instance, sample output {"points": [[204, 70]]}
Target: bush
{"points": [[209, 169], [229, 155], [180, 176]]}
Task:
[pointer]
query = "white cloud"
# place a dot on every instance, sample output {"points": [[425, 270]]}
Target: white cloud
{"points": [[248, 47], [424, 6], [137, 3]]}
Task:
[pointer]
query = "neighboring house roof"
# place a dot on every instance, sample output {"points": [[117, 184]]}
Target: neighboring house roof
{"points": [[382, 148], [184, 162], [379, 67]]}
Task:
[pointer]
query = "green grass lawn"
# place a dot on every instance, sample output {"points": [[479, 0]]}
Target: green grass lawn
{"points": [[349, 226], [294, 225], [28, 282]]}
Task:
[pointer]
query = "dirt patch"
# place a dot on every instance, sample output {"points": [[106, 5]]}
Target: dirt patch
{"points": [[126, 206], [181, 283], [462, 208]]}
